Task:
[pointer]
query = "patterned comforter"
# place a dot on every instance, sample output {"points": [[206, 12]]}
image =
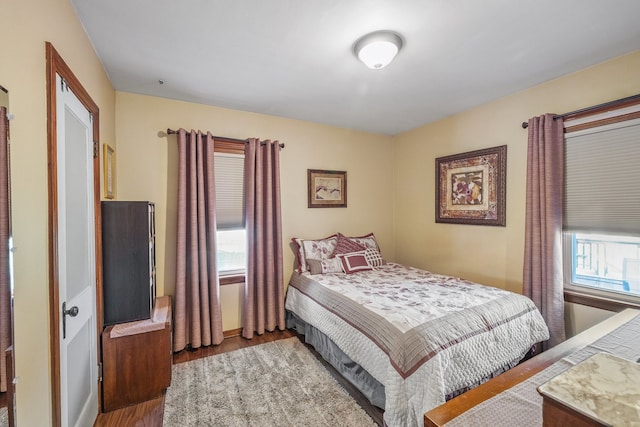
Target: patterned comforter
{"points": [[424, 336]]}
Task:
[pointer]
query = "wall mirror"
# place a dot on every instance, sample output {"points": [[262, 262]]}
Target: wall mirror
{"points": [[7, 373]]}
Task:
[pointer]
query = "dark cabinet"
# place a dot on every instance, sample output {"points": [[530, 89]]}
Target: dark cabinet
{"points": [[128, 261]]}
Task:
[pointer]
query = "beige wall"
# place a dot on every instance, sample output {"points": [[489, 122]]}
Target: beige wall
{"points": [[489, 255], [147, 162], [24, 27]]}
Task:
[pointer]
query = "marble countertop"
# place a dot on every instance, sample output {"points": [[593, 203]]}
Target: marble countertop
{"points": [[603, 387]]}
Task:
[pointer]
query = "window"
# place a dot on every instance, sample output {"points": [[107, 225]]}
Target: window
{"points": [[232, 251], [601, 244], [606, 262], [231, 237]]}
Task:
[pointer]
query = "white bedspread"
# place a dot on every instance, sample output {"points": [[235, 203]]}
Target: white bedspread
{"points": [[422, 335]]}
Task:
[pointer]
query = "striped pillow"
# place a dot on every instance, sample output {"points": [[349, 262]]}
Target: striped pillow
{"points": [[346, 246], [324, 266]]}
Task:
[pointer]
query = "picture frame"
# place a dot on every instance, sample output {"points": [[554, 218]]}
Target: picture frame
{"points": [[326, 188], [471, 187], [109, 156]]}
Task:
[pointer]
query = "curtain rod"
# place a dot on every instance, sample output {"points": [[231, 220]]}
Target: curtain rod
{"points": [[592, 108], [244, 141]]}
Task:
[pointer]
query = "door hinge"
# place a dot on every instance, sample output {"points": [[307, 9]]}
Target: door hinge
{"points": [[95, 149], [100, 372]]}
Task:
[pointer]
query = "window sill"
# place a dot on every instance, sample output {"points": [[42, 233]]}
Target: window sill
{"points": [[598, 301], [231, 279]]}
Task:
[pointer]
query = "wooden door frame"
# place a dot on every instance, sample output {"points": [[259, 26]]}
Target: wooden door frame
{"points": [[56, 65]]}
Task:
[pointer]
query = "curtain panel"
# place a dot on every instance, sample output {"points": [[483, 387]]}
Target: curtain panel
{"points": [[543, 276], [264, 286], [197, 313], [5, 281]]}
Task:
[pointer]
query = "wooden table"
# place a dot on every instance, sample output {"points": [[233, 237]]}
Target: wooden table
{"points": [[137, 359], [451, 409]]}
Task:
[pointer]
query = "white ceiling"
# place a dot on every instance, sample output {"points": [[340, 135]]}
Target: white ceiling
{"points": [[294, 58]]}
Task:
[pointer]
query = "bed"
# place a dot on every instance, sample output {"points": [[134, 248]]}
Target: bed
{"points": [[407, 338]]}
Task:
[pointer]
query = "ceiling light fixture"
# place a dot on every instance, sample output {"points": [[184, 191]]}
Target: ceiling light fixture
{"points": [[378, 49]]}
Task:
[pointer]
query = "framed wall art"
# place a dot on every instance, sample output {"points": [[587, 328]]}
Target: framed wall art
{"points": [[109, 172], [326, 189], [471, 187]]}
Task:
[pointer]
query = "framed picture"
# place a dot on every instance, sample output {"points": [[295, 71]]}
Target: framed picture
{"points": [[471, 187], [109, 172], [326, 189]]}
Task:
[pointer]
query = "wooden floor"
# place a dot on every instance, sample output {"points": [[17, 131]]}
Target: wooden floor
{"points": [[149, 414]]}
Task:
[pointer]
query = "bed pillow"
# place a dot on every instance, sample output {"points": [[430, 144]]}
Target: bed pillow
{"points": [[324, 266], [346, 246], [314, 249], [298, 252], [354, 262], [368, 241], [374, 258]]}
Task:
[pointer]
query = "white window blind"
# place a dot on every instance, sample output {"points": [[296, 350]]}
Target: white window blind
{"points": [[602, 172], [229, 175]]}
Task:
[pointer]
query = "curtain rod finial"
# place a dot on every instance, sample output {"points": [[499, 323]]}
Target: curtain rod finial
{"points": [[525, 125]]}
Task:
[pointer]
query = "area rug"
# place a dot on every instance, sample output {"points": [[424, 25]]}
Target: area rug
{"points": [[4, 417], [274, 384]]}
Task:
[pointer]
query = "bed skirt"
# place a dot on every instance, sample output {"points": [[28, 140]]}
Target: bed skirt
{"points": [[371, 388]]}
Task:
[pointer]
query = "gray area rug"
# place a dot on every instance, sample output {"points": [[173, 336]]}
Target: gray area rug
{"points": [[274, 384], [4, 417]]}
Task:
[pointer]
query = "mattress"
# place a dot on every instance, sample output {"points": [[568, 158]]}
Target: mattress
{"points": [[423, 336]]}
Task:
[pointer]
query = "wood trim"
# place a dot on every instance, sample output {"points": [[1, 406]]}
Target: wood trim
{"points": [[230, 146], [599, 109], [56, 65], [597, 301], [602, 122], [232, 333], [448, 411], [222, 144], [10, 394], [231, 280]]}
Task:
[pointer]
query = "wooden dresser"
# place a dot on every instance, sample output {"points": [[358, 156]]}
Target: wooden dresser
{"points": [[137, 358]]}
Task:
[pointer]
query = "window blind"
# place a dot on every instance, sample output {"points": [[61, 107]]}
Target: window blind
{"points": [[602, 174], [229, 175]]}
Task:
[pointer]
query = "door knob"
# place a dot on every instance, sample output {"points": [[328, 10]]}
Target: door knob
{"points": [[72, 312]]}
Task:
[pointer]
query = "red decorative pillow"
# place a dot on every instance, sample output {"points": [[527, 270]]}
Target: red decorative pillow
{"points": [[354, 262], [346, 246]]}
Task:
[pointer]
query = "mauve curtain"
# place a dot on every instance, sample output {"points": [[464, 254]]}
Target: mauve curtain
{"points": [[197, 313], [5, 281], [543, 277], [264, 290]]}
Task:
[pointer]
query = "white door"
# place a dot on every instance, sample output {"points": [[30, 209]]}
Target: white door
{"points": [[76, 261]]}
